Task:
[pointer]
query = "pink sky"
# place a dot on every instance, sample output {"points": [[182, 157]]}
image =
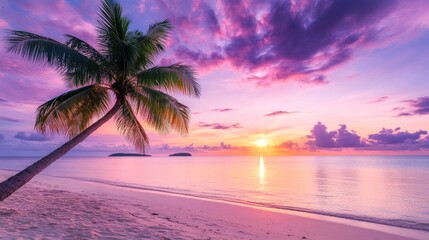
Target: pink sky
{"points": [[310, 77]]}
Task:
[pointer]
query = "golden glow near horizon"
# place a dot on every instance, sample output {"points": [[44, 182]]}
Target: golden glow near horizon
{"points": [[261, 143]]}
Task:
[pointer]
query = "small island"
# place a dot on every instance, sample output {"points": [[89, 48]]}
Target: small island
{"points": [[129, 155], [182, 154]]}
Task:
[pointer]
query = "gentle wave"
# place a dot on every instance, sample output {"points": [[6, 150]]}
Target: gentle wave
{"points": [[384, 190], [391, 222]]}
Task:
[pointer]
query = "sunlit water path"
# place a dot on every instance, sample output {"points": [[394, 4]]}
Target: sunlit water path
{"points": [[391, 190]]}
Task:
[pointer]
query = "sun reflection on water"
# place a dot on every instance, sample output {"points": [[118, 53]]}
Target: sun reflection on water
{"points": [[261, 172]]}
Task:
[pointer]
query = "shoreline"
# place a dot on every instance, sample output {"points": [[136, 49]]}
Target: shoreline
{"points": [[232, 220], [372, 223]]}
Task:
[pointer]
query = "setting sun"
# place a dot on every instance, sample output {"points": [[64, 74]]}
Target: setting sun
{"points": [[261, 143]]}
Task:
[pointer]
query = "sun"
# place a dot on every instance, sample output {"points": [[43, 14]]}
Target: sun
{"points": [[261, 143]]}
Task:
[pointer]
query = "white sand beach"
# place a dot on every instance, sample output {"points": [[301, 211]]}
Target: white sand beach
{"points": [[58, 208]]}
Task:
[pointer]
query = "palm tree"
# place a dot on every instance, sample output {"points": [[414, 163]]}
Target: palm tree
{"points": [[121, 69]]}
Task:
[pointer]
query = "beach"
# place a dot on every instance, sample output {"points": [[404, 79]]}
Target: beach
{"points": [[57, 208]]}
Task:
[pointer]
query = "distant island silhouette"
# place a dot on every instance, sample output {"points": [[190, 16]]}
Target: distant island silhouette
{"points": [[182, 154], [129, 155]]}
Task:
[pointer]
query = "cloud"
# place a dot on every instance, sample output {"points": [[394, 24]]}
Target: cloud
{"points": [[223, 109], [1, 137], [7, 119], [277, 113], [346, 138], [3, 100], [211, 19], [99, 146], [25, 81], [300, 41], [341, 138], [313, 38], [61, 15], [199, 57], [221, 146], [31, 137], [167, 147], [378, 100], [219, 126], [194, 148], [384, 140], [289, 145], [419, 106], [395, 136], [322, 138], [277, 41], [3, 24]]}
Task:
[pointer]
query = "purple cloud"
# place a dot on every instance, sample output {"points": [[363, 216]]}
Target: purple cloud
{"points": [[31, 137], [211, 19], [277, 113], [199, 57], [195, 148], [1, 137], [194, 21], [279, 40], [24, 81], [223, 109], [167, 147], [424, 143], [322, 138], [20, 88], [346, 138], [395, 136], [282, 40], [384, 140], [7, 119], [59, 15], [219, 126], [86, 147], [378, 100], [221, 146], [301, 41], [289, 145], [419, 106], [341, 138]]}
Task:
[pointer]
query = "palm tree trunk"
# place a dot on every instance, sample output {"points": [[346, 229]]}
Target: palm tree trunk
{"points": [[15, 182]]}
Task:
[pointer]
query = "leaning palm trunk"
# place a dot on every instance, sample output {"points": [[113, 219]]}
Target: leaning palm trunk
{"points": [[15, 182], [122, 67]]}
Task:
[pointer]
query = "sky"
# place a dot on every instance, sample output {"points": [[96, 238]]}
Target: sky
{"points": [[318, 77]]}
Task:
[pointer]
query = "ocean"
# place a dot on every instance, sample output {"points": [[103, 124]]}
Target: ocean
{"points": [[390, 190]]}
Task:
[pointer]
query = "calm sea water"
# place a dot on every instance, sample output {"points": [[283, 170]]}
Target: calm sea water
{"points": [[392, 190]]}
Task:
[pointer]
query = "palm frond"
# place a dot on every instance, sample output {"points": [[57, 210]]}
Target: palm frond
{"points": [[173, 78], [122, 65], [112, 23], [74, 78], [84, 48], [161, 111], [131, 128], [140, 53], [72, 112], [112, 33], [159, 32], [148, 45], [66, 60], [153, 42]]}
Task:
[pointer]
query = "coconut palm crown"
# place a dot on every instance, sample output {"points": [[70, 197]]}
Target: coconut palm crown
{"points": [[120, 70]]}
